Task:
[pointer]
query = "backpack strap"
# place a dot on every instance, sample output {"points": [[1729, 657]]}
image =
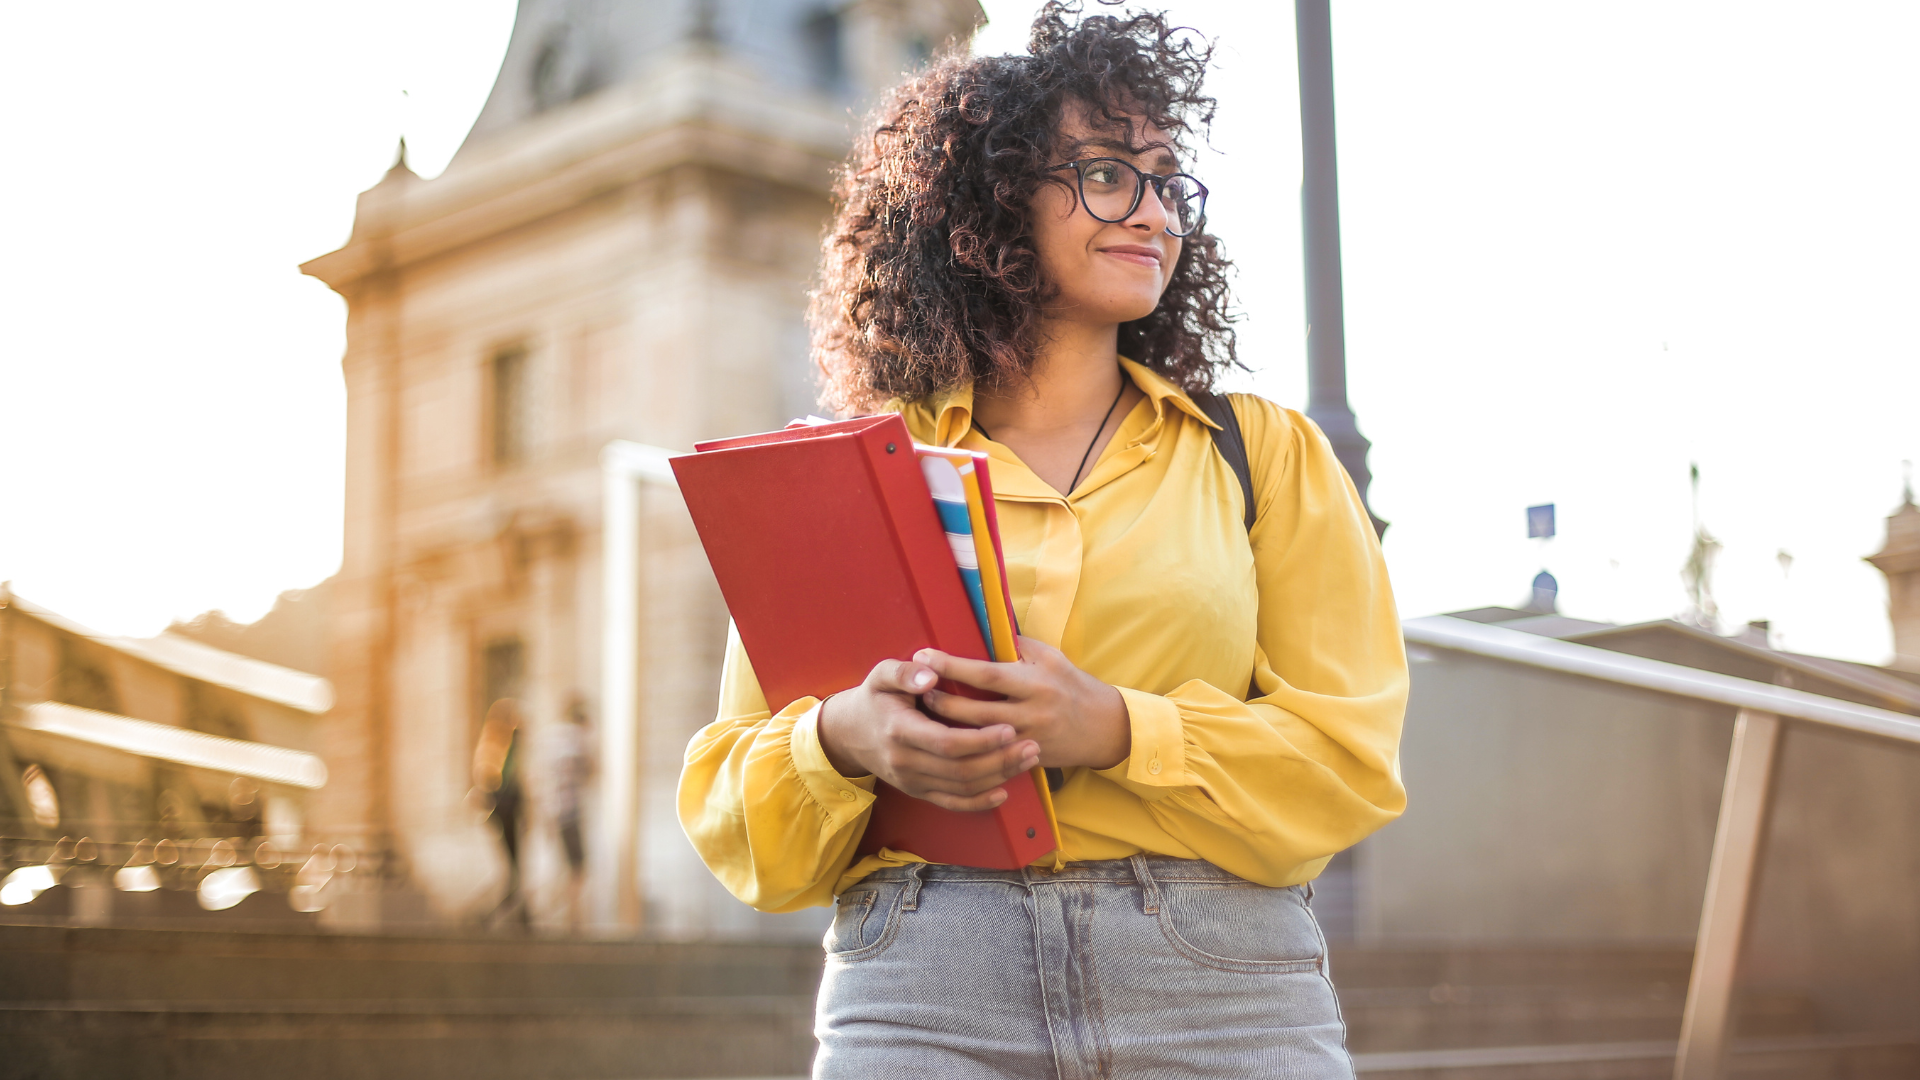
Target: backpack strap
{"points": [[1232, 446]]}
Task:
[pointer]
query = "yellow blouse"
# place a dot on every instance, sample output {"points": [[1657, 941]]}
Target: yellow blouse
{"points": [[1146, 578]]}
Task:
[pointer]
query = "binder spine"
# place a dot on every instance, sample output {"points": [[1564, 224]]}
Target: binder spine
{"points": [[922, 542]]}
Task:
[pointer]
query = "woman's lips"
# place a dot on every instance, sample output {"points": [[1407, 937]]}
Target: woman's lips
{"points": [[1139, 256]]}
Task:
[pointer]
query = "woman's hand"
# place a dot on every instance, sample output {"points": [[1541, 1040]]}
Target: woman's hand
{"points": [[1076, 718], [876, 728]]}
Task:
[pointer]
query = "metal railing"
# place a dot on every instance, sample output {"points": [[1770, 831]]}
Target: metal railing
{"points": [[1745, 799]]}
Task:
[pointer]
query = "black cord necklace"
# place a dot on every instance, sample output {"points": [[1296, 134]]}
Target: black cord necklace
{"points": [[1096, 436], [982, 429]]}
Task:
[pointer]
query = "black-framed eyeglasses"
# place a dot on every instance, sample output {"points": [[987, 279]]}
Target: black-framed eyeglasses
{"points": [[1111, 190]]}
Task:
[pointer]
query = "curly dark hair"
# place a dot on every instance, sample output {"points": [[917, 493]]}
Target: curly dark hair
{"points": [[929, 277]]}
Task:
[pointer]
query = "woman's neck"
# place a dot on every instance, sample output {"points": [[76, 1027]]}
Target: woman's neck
{"points": [[1075, 370], [1052, 418]]}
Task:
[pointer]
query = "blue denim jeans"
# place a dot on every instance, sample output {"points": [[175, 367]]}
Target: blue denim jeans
{"points": [[1125, 969]]}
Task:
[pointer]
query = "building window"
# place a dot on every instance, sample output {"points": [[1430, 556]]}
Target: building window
{"points": [[825, 62], [84, 683], [509, 406], [42, 800], [559, 70], [211, 711]]}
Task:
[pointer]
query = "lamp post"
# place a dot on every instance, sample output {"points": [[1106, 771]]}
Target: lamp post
{"points": [[1320, 243]]}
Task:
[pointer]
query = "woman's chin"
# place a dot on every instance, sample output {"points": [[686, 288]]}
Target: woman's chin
{"points": [[1122, 308]]}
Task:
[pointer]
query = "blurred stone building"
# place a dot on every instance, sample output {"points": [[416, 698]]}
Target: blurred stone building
{"points": [[161, 755], [1899, 560], [620, 251]]}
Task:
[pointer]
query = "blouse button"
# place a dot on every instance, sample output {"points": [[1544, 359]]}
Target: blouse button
{"points": [[848, 795], [1154, 766]]}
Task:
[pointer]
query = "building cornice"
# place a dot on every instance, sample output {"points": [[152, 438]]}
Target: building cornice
{"points": [[696, 110], [1901, 553], [1896, 562]]}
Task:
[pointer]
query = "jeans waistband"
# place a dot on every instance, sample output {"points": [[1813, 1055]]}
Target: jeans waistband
{"points": [[1142, 869]]}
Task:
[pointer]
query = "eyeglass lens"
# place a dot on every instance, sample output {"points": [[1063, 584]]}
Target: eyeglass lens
{"points": [[1112, 191]]}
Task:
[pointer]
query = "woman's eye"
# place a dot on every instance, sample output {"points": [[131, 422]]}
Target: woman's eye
{"points": [[1103, 173]]}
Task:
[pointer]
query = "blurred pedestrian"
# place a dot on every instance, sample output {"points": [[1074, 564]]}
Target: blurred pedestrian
{"points": [[498, 783], [570, 769]]}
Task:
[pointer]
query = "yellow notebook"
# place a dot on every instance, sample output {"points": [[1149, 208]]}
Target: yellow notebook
{"points": [[978, 481]]}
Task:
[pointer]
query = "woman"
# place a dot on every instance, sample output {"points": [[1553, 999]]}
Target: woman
{"points": [[497, 788], [1018, 269]]}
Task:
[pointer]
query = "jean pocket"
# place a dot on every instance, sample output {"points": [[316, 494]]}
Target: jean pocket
{"points": [[864, 921], [1249, 928]]}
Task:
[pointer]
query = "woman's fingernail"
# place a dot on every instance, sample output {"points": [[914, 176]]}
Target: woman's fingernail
{"points": [[922, 680], [997, 798]]}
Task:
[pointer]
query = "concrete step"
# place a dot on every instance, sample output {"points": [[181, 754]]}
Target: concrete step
{"points": [[1830, 1057], [86, 1002], [93, 1001], [1406, 999], [1362, 966], [54, 964], [1383, 1019], [416, 1040]]}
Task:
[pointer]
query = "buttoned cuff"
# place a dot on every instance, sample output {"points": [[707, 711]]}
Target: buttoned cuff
{"points": [[1159, 755], [841, 797]]}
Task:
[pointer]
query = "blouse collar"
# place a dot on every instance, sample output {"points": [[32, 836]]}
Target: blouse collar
{"points": [[948, 416]]}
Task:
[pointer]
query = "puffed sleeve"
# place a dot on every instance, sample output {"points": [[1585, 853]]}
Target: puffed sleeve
{"points": [[1270, 788], [785, 847]]}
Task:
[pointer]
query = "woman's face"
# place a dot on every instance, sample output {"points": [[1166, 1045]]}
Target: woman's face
{"points": [[1101, 272]]}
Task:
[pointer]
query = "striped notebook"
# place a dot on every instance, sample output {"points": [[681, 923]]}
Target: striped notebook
{"points": [[962, 490]]}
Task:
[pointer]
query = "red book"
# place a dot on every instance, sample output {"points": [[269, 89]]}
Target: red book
{"points": [[830, 555]]}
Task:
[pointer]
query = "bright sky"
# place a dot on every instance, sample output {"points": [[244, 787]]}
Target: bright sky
{"points": [[1585, 245]]}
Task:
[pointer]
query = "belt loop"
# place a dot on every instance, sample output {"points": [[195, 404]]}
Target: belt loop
{"points": [[911, 902], [1149, 888]]}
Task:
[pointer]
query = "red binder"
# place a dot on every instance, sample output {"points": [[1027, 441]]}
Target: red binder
{"points": [[831, 558]]}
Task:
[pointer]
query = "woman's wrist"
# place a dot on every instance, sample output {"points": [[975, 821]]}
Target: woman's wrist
{"points": [[837, 757], [1110, 735]]}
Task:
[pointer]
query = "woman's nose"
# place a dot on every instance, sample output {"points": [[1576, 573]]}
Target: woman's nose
{"points": [[1151, 214]]}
